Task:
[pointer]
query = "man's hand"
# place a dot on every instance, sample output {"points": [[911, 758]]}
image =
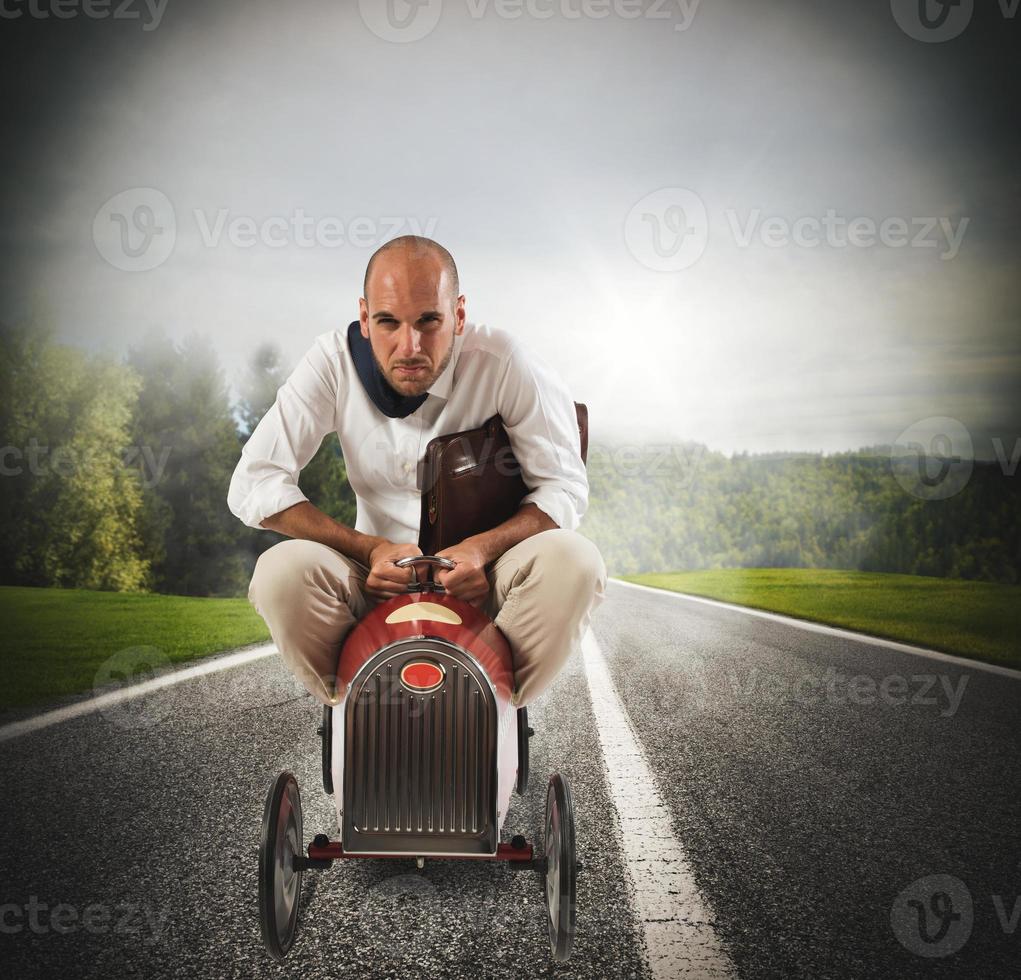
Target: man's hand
{"points": [[468, 580], [385, 579]]}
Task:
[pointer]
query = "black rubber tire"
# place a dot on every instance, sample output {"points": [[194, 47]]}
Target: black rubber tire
{"points": [[279, 881], [326, 735], [521, 786], [561, 867]]}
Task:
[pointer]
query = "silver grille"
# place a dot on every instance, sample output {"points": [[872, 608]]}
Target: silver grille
{"points": [[420, 769]]}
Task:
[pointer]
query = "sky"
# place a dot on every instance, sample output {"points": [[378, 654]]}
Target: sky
{"points": [[784, 226]]}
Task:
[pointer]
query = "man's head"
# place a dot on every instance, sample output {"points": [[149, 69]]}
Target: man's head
{"points": [[411, 311]]}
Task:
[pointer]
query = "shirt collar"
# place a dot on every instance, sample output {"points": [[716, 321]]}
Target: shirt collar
{"points": [[442, 385]]}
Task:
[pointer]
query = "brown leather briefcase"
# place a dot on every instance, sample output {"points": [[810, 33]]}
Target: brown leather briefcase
{"points": [[471, 482]]}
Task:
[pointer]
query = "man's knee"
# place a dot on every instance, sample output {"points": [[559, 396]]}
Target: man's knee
{"points": [[573, 556], [281, 572]]}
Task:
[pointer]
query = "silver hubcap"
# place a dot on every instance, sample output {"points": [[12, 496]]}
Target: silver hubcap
{"points": [[553, 867], [286, 876]]}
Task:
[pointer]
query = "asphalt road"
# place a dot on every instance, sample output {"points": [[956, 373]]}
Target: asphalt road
{"points": [[823, 789]]}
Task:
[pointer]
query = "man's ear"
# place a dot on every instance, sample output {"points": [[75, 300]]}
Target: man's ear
{"points": [[459, 315], [363, 317]]}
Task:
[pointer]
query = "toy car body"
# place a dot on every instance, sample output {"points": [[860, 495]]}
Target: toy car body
{"points": [[421, 754]]}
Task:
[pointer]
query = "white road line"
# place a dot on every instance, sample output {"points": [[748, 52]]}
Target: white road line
{"points": [[836, 631], [17, 728], [677, 921]]}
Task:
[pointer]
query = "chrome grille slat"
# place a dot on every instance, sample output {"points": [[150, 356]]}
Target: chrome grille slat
{"points": [[419, 772]]}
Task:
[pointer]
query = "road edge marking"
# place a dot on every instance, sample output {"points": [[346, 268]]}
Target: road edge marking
{"points": [[674, 917], [840, 631], [16, 729]]}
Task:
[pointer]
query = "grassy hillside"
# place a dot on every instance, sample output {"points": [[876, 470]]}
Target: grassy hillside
{"points": [[972, 619], [66, 641], [56, 641]]}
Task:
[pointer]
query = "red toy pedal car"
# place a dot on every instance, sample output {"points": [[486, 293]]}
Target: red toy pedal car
{"points": [[421, 755]]}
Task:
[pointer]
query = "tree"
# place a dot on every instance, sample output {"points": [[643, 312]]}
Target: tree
{"points": [[186, 431], [324, 479], [71, 508], [258, 389]]}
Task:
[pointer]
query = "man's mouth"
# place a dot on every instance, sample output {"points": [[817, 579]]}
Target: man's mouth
{"points": [[414, 369]]}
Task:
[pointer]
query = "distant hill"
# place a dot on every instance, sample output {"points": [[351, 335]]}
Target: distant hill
{"points": [[685, 507]]}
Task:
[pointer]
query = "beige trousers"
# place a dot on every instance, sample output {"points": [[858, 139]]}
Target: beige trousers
{"points": [[541, 594]]}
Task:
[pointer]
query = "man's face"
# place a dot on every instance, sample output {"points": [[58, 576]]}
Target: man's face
{"points": [[411, 318]]}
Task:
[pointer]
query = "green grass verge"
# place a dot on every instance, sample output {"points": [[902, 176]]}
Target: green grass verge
{"points": [[57, 641], [972, 619]]}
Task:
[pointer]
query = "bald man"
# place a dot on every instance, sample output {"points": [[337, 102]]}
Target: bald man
{"points": [[409, 369]]}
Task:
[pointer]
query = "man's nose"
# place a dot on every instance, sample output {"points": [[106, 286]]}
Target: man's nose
{"points": [[410, 342]]}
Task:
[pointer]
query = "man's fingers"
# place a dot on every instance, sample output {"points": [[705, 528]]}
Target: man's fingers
{"points": [[388, 572]]}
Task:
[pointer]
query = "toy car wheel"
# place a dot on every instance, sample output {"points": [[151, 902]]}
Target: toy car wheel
{"points": [[561, 870], [326, 736], [523, 735], [279, 873]]}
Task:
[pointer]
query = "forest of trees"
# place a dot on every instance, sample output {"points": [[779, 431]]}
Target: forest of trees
{"points": [[115, 474], [687, 508]]}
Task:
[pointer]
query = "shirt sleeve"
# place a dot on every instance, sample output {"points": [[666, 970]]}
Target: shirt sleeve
{"points": [[265, 480], [542, 423]]}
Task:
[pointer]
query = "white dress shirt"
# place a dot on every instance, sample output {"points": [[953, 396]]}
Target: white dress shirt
{"points": [[489, 371]]}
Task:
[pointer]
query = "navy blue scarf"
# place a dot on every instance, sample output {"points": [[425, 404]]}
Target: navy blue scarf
{"points": [[391, 403]]}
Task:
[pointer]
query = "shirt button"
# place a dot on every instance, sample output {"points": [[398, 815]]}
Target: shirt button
{"points": [[408, 467]]}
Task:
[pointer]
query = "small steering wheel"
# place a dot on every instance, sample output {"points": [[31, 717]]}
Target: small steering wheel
{"points": [[433, 561]]}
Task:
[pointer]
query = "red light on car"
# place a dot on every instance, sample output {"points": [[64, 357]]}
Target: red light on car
{"points": [[422, 675]]}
